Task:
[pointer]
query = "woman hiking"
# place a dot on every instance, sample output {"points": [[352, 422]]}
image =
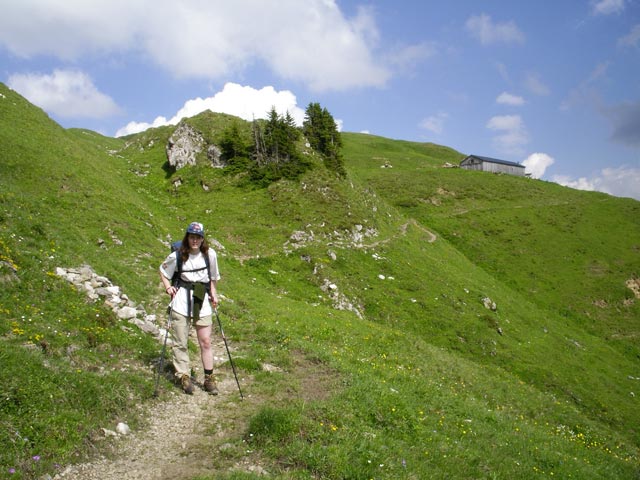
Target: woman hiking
{"points": [[190, 276]]}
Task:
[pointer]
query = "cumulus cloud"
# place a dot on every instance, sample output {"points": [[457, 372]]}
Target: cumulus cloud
{"points": [[537, 163], [484, 29], [621, 181], [607, 7], [513, 135], [506, 98], [68, 30], [310, 42], [582, 183], [65, 93], [242, 101], [435, 123]]}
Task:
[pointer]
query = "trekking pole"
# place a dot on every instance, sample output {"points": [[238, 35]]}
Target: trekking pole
{"points": [[164, 348], [233, 367]]}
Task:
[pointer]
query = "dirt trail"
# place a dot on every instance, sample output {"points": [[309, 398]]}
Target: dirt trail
{"points": [[403, 232], [176, 441], [172, 444]]}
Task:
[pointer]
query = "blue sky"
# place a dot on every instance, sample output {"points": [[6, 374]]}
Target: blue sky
{"points": [[554, 85]]}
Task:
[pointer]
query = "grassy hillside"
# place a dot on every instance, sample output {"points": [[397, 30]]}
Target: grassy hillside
{"points": [[569, 250], [392, 367]]}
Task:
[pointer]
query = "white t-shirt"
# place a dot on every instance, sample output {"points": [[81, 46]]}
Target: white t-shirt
{"points": [[194, 262]]}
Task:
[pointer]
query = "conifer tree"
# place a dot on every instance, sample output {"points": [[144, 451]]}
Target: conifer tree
{"points": [[321, 132], [275, 149], [232, 143]]}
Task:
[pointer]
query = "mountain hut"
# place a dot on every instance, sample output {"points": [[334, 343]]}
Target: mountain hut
{"points": [[493, 165]]}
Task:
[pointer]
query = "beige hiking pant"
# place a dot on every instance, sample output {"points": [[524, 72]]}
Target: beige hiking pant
{"points": [[180, 326]]}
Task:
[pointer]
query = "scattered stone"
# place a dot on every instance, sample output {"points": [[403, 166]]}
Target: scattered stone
{"points": [[257, 470], [489, 304], [353, 238], [123, 429], [97, 286], [267, 367], [600, 303], [11, 273], [127, 313], [340, 301], [634, 285]]}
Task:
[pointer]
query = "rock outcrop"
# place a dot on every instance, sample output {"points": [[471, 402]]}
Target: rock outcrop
{"points": [[97, 287], [186, 143]]}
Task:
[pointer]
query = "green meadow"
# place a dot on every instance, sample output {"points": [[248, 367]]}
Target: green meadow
{"points": [[367, 292]]}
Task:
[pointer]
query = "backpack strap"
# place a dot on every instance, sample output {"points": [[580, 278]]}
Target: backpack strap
{"points": [[207, 263], [178, 272]]}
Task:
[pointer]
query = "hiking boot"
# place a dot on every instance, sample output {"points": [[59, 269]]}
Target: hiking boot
{"points": [[187, 386], [210, 385]]}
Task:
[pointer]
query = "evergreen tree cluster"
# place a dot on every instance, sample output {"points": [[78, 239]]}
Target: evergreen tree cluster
{"points": [[272, 152], [321, 131]]}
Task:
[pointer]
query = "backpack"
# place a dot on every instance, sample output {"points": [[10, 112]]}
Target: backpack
{"points": [[175, 247]]}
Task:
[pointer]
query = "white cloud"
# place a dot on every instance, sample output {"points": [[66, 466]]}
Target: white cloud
{"points": [[536, 85], [406, 57], [581, 183], [70, 29], [621, 181], [607, 7], [505, 122], [513, 136], [632, 39], [484, 29], [311, 41], [435, 123], [242, 101], [537, 163], [506, 98], [66, 93]]}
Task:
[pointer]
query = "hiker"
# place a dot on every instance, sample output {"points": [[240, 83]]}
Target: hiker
{"points": [[190, 276]]}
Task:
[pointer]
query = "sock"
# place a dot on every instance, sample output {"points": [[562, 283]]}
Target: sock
{"points": [[208, 372]]}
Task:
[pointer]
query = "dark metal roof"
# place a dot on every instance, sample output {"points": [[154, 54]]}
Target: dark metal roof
{"points": [[494, 160]]}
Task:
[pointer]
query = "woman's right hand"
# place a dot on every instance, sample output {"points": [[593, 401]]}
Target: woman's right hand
{"points": [[171, 291]]}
